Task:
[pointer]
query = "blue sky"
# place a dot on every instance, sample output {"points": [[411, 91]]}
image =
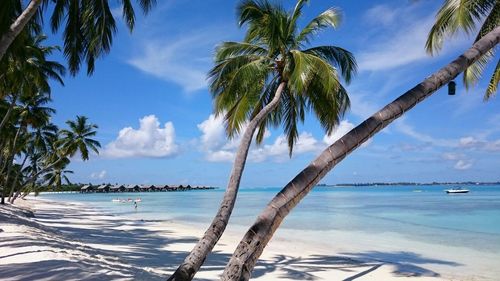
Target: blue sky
{"points": [[150, 100]]}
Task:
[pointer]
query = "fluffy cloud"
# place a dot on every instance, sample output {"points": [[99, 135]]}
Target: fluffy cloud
{"points": [[98, 175], [150, 140], [217, 148], [461, 161], [343, 128], [278, 151], [477, 144]]}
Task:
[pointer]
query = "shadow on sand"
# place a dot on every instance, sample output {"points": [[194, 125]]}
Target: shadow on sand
{"points": [[111, 249]]}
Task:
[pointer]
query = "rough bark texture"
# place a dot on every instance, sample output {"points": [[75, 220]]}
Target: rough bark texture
{"points": [[195, 259], [253, 243], [16, 27]]}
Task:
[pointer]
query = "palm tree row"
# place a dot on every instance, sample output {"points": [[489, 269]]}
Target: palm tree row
{"points": [[32, 150]]}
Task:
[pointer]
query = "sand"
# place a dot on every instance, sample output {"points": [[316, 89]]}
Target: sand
{"points": [[47, 240]]}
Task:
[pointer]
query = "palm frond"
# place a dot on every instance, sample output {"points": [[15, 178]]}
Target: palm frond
{"points": [[338, 57], [493, 84], [456, 15], [473, 73], [329, 18]]}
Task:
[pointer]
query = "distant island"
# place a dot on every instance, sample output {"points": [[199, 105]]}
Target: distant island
{"points": [[408, 183]]}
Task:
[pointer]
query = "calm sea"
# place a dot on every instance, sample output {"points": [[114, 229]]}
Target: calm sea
{"points": [[465, 220]]}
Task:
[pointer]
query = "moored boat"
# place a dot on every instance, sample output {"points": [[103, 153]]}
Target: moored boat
{"points": [[457, 190]]}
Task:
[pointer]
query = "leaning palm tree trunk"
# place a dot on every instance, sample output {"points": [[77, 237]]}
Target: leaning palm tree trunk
{"points": [[197, 256], [16, 178], [18, 25], [253, 243], [9, 110]]}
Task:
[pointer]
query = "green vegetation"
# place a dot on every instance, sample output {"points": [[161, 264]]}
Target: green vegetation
{"points": [[457, 16], [271, 79]]}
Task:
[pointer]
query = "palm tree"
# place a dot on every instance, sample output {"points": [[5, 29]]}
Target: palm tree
{"points": [[39, 143], [89, 26], [33, 113], [78, 138], [271, 78], [55, 176], [27, 72], [457, 16], [255, 240]]}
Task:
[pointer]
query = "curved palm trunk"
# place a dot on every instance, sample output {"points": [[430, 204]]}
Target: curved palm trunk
{"points": [[17, 26], [196, 257], [252, 245], [9, 111]]}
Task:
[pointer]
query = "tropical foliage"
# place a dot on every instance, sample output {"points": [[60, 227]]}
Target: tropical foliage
{"points": [[88, 26], [459, 15], [275, 50], [271, 79], [33, 151]]}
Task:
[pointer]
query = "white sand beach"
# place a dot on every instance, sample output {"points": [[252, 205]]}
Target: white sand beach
{"points": [[72, 241]]}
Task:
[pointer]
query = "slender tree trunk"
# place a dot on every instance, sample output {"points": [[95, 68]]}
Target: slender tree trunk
{"points": [[14, 183], [197, 256], [35, 175], [9, 111], [255, 240], [17, 26], [10, 159]]}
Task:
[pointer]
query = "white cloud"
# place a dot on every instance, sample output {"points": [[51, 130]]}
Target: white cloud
{"points": [[343, 128], [213, 132], [408, 130], [173, 62], [217, 148], [461, 161], [401, 33], [98, 175], [150, 140], [452, 156], [479, 144], [278, 151], [463, 164], [405, 46], [381, 14]]}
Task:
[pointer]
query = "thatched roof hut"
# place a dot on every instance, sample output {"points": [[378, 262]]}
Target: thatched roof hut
{"points": [[132, 188], [117, 188], [86, 188], [103, 188]]}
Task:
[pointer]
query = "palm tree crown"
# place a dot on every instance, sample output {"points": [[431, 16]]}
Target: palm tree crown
{"points": [[247, 74], [460, 15], [78, 138]]}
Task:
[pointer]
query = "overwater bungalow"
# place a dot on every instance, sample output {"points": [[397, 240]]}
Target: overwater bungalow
{"points": [[103, 188], [146, 188], [132, 188], [117, 188], [166, 187], [86, 188], [173, 187]]}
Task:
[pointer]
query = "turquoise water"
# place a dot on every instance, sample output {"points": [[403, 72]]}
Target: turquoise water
{"points": [[466, 220]]}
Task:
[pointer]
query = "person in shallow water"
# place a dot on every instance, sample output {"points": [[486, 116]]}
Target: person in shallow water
{"points": [[135, 205]]}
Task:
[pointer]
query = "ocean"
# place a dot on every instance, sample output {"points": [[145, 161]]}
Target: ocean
{"points": [[466, 221]]}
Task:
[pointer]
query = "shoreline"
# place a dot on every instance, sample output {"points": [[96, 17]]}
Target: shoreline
{"points": [[92, 245]]}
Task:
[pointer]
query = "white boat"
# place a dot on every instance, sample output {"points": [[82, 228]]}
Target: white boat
{"points": [[115, 200], [457, 190]]}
